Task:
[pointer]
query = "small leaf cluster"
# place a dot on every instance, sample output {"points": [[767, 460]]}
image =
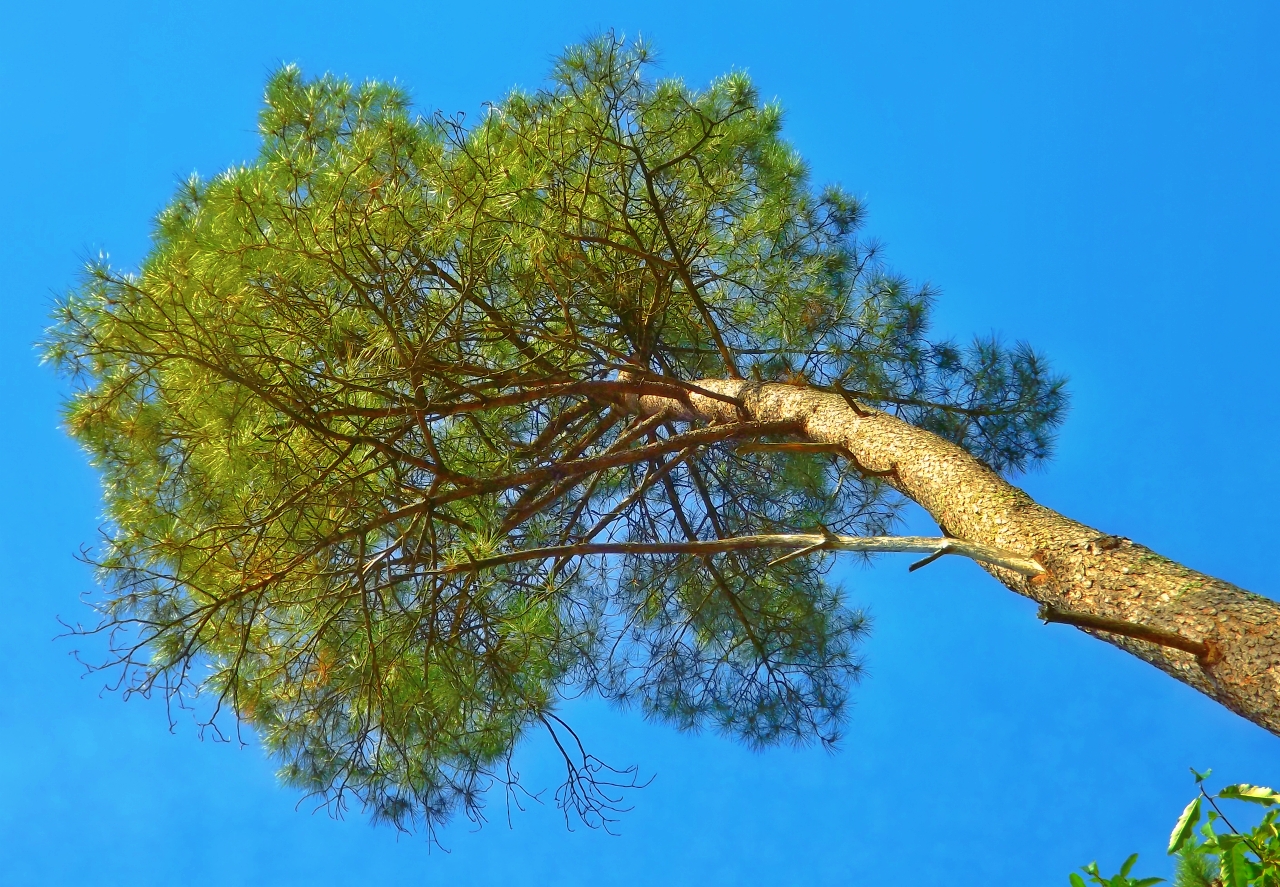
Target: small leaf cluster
{"points": [[1120, 879], [1211, 855]]}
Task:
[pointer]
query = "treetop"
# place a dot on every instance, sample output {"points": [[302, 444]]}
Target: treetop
{"points": [[393, 345]]}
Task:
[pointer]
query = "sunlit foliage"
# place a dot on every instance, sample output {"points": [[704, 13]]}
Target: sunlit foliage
{"points": [[1220, 855]]}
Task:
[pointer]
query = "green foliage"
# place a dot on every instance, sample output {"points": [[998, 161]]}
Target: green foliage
{"points": [[1120, 879], [1217, 858], [385, 349]]}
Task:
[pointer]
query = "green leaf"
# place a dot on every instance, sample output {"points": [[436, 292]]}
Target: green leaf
{"points": [[1076, 880], [1128, 865], [1256, 794], [1146, 882], [1186, 822], [1235, 870], [1200, 777]]}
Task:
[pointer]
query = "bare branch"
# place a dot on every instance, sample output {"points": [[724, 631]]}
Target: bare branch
{"points": [[1203, 650], [986, 554]]}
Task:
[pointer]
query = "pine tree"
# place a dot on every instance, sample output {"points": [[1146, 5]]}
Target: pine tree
{"points": [[410, 429]]}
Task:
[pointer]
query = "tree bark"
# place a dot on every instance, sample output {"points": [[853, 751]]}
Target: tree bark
{"points": [[1099, 578]]}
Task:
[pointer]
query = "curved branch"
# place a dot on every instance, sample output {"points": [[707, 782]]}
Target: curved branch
{"points": [[1086, 572]]}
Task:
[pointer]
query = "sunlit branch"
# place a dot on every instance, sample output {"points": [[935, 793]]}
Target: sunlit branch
{"points": [[791, 447], [814, 542], [1203, 650]]}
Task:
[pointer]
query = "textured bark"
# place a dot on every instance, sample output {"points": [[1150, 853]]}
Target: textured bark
{"points": [[1087, 572]]}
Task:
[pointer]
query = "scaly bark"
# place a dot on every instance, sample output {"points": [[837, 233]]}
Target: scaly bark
{"points": [[1087, 572]]}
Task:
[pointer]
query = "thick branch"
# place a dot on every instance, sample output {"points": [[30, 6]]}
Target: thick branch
{"points": [[1087, 573]]}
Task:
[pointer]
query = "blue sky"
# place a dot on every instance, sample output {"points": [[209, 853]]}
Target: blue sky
{"points": [[1096, 178]]}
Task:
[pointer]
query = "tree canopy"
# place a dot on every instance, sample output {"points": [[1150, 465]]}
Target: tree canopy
{"points": [[360, 384]]}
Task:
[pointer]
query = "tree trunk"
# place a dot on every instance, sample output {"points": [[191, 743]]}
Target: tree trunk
{"points": [[1091, 578]]}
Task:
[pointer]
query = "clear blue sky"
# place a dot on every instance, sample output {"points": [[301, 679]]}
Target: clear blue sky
{"points": [[1097, 178]]}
